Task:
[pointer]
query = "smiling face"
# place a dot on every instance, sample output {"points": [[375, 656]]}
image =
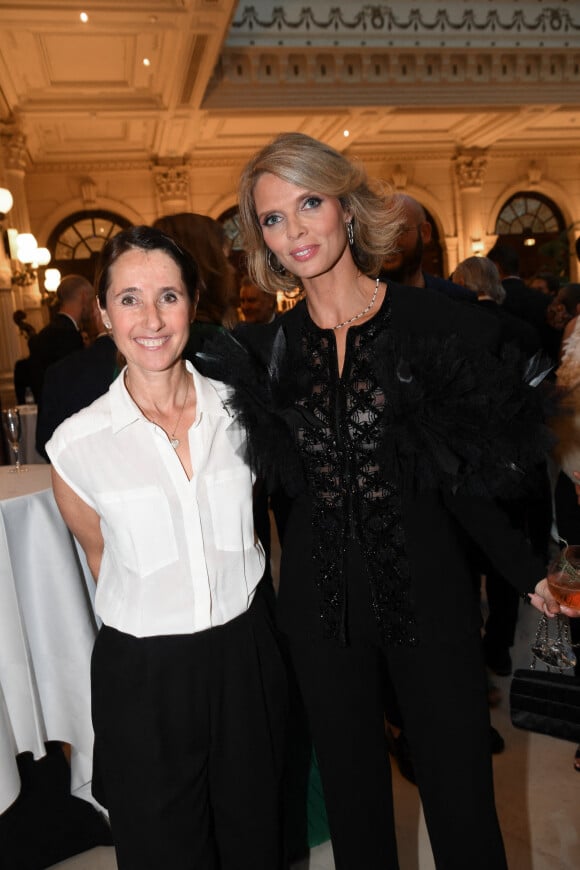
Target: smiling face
{"points": [[149, 309], [305, 230]]}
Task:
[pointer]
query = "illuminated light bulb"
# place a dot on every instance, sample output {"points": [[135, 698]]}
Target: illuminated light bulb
{"points": [[42, 257], [26, 247], [51, 280], [6, 201]]}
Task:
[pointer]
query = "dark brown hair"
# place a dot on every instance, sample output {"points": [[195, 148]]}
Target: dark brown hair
{"points": [[145, 239], [205, 240]]}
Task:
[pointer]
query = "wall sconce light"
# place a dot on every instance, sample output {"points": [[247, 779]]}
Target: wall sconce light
{"points": [[6, 202], [22, 248], [26, 257], [529, 240], [477, 247]]}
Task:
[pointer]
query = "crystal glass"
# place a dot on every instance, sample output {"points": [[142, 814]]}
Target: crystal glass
{"points": [[564, 577], [13, 429], [564, 584]]}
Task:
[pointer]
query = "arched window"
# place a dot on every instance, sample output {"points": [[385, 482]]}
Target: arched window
{"points": [[230, 222], [529, 211], [77, 240], [533, 225]]}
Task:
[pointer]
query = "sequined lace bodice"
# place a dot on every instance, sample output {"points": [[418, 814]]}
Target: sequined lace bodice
{"points": [[352, 500]]}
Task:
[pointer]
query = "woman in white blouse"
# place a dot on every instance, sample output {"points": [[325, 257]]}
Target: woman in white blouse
{"points": [[188, 688]]}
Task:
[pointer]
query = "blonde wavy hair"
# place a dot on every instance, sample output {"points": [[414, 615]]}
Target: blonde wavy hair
{"points": [[377, 217]]}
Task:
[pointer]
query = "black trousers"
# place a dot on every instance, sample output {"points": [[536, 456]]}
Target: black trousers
{"points": [[441, 692], [189, 734]]}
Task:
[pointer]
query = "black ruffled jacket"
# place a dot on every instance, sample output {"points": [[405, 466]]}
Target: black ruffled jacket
{"points": [[429, 423]]}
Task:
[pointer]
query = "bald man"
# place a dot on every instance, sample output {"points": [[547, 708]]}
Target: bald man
{"points": [[406, 266]]}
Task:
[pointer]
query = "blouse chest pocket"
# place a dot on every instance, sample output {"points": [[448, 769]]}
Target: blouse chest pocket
{"points": [[137, 523], [229, 495]]}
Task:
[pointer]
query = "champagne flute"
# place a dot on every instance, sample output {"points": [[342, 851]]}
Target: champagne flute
{"points": [[13, 429]]}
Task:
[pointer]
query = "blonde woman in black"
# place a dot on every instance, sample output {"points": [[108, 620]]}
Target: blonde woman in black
{"points": [[391, 421]]}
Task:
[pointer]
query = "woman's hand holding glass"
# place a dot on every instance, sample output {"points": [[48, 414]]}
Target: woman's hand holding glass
{"points": [[558, 595]]}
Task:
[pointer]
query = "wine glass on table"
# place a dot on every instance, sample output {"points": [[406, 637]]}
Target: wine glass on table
{"points": [[564, 585], [13, 429]]}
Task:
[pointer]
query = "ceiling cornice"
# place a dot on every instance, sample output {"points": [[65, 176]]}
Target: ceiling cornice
{"points": [[399, 23]]}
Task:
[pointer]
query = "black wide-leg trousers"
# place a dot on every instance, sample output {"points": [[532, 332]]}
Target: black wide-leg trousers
{"points": [[449, 735], [189, 734], [441, 691]]}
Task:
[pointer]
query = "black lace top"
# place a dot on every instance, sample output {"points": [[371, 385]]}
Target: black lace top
{"points": [[351, 496]]}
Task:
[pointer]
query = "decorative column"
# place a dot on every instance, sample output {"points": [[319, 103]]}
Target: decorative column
{"points": [[172, 183], [12, 297], [470, 168], [11, 347]]}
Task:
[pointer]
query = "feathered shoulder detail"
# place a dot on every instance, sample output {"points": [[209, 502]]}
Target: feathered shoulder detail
{"points": [[464, 418], [258, 372], [456, 415]]}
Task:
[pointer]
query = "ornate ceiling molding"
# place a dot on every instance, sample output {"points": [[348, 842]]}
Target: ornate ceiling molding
{"points": [[311, 75], [193, 161], [88, 167], [265, 22], [259, 77], [391, 157]]}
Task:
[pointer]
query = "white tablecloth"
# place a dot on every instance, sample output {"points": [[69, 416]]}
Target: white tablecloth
{"points": [[47, 631]]}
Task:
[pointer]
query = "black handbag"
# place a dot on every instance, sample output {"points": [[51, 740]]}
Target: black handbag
{"points": [[544, 701]]}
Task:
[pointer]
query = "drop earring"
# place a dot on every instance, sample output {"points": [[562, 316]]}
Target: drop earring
{"points": [[350, 232]]}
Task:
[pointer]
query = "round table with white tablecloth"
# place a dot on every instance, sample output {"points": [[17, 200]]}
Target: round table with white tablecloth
{"points": [[47, 631]]}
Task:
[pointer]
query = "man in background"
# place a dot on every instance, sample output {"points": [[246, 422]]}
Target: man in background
{"points": [[406, 266], [257, 306], [76, 380], [63, 334]]}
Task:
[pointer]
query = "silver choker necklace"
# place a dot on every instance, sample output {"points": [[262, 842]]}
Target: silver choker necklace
{"points": [[361, 313]]}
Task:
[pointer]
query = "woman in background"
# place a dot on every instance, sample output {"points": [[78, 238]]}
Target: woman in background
{"points": [[204, 238]]}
